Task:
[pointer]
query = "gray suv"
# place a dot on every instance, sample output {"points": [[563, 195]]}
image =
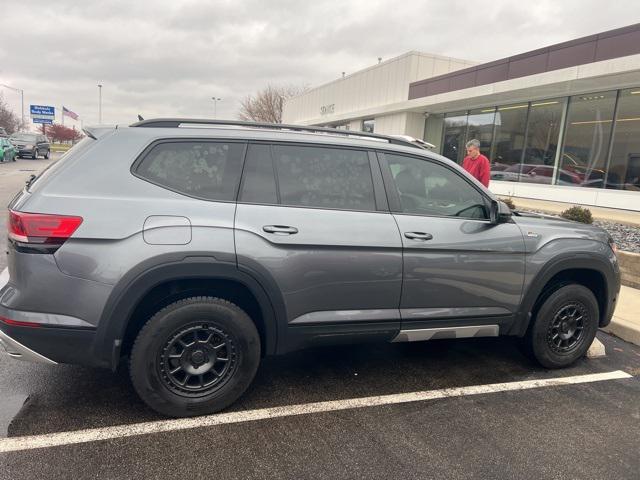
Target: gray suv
{"points": [[194, 248]]}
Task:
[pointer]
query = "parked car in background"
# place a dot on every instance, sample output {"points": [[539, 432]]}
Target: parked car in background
{"points": [[31, 145], [8, 151], [535, 174], [3, 133]]}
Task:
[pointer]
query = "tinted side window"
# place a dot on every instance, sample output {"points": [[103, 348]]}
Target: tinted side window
{"points": [[427, 188], [209, 170], [259, 183], [324, 177]]}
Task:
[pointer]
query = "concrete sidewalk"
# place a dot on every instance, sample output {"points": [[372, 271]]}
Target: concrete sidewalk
{"points": [[626, 318]]}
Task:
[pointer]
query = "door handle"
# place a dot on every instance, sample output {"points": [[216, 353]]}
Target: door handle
{"points": [[418, 235], [280, 229]]}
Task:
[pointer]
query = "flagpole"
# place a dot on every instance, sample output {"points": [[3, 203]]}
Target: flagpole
{"points": [[62, 115]]}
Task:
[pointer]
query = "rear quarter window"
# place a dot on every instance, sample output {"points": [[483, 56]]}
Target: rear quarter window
{"points": [[75, 151], [203, 169]]}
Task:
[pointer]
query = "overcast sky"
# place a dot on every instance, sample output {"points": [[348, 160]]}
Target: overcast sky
{"points": [[162, 58]]}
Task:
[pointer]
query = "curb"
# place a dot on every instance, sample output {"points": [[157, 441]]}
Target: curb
{"points": [[625, 330], [629, 268]]}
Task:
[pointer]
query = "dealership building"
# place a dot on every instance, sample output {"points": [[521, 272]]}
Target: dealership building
{"points": [[560, 123]]}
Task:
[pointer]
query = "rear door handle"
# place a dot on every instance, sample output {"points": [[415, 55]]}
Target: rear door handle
{"points": [[280, 229], [418, 235]]}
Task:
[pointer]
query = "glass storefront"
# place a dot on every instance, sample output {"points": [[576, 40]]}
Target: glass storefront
{"points": [[624, 165], [586, 139], [543, 131], [453, 137], [480, 126], [511, 121], [563, 141]]}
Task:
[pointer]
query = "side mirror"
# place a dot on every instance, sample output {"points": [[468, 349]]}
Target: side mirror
{"points": [[499, 212]]}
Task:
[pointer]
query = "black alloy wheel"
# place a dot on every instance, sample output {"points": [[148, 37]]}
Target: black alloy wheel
{"points": [[197, 360], [567, 327]]}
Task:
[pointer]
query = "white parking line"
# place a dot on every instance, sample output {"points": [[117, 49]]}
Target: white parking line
{"points": [[120, 431]]}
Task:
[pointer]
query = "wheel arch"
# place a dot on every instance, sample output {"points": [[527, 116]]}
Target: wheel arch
{"points": [[130, 293], [593, 271]]}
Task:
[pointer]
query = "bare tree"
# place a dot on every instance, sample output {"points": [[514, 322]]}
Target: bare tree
{"points": [[8, 119], [266, 105]]}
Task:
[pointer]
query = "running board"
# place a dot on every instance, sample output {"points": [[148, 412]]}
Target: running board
{"points": [[446, 332]]}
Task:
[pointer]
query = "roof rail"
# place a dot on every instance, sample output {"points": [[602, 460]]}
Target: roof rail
{"points": [[177, 122]]}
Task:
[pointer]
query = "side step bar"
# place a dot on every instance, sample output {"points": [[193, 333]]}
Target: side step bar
{"points": [[446, 332]]}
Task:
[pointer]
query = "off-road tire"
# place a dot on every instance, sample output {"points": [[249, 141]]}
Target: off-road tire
{"points": [[548, 339], [154, 352]]}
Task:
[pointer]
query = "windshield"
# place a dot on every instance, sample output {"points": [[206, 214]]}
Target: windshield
{"points": [[24, 137]]}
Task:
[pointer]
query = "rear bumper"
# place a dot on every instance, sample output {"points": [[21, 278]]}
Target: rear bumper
{"points": [[45, 337], [50, 345], [20, 352]]}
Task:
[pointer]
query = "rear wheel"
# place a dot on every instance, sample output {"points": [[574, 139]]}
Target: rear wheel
{"points": [[564, 327], [195, 357]]}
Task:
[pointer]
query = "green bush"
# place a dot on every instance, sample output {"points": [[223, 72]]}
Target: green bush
{"points": [[509, 202], [578, 214]]}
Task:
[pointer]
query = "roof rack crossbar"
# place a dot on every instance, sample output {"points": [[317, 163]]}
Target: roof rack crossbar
{"points": [[177, 122]]}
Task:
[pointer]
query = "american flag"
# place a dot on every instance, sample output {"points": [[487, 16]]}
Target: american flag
{"points": [[69, 113]]}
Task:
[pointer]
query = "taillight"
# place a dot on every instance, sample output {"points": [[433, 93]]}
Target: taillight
{"points": [[17, 323], [41, 228]]}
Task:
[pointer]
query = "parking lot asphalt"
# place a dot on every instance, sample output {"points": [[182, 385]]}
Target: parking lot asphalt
{"points": [[581, 430]]}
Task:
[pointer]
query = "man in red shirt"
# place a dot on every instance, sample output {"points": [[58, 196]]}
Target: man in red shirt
{"points": [[477, 164]]}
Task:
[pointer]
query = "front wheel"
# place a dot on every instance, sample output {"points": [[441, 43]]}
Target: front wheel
{"points": [[564, 327], [34, 155], [47, 154], [195, 357]]}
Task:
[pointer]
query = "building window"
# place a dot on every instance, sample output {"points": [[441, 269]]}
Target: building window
{"points": [[586, 139], [541, 144], [455, 128], [368, 125], [508, 142], [480, 126], [624, 166]]}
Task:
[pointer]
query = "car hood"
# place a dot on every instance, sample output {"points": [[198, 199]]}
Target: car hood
{"points": [[539, 229]]}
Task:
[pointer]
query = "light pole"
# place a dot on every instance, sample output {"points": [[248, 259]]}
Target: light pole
{"points": [[100, 103], [215, 106], [21, 97]]}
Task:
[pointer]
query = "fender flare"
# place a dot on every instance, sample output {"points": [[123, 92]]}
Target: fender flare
{"points": [[139, 281], [567, 261]]}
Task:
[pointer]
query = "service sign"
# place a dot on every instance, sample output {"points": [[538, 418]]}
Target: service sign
{"points": [[42, 112]]}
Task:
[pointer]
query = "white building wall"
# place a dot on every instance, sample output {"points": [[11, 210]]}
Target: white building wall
{"points": [[404, 123], [381, 84], [391, 124]]}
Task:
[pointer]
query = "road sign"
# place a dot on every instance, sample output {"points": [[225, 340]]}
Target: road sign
{"points": [[47, 121], [42, 112]]}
